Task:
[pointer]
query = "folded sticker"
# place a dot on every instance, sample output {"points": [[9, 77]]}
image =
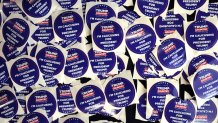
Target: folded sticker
{"points": [[212, 11]]}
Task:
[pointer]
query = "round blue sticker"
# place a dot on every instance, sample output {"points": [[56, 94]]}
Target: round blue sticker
{"points": [[120, 92], [180, 111], [152, 8], [129, 16], [9, 104], [102, 62], [16, 32], [120, 64], [191, 4], [65, 101], [10, 6], [108, 35], [76, 63], [200, 60], [50, 80], [68, 25], [3, 71], [119, 2], [36, 8], [45, 31], [10, 51], [142, 69], [171, 53], [98, 13], [50, 60], [24, 72], [42, 99], [35, 117], [157, 94], [205, 83], [172, 23], [202, 15], [201, 35], [90, 99], [67, 4], [73, 120], [140, 38], [206, 113]]}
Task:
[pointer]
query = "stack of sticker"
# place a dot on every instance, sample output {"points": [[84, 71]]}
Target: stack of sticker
{"points": [[45, 56]]}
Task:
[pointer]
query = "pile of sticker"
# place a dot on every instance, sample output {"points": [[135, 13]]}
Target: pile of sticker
{"points": [[44, 56]]}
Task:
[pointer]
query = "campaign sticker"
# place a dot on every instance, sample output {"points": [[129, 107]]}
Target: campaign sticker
{"points": [[65, 100], [191, 4], [140, 38], [108, 35], [24, 72], [90, 99], [205, 83], [67, 4], [120, 92], [68, 25], [8, 103], [42, 99], [16, 32], [151, 60], [35, 117], [177, 110], [171, 53], [102, 62], [172, 23], [152, 8], [99, 12], [9, 51], [120, 64], [212, 11], [73, 120], [76, 118], [119, 2], [51, 60], [207, 113], [200, 60], [68, 43], [129, 16], [4, 75], [10, 6], [50, 80], [201, 35], [45, 31], [76, 63]]}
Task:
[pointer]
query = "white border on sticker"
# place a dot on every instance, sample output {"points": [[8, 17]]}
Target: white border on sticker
{"points": [[126, 3], [77, 4], [81, 117]]}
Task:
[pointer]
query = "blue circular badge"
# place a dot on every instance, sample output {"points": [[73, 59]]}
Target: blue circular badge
{"points": [[151, 60], [206, 113], [42, 99], [201, 15], [140, 38], [90, 99], [67, 4], [10, 6], [36, 8], [200, 60], [119, 2], [191, 4], [201, 35], [35, 117], [205, 83], [73, 120], [129, 16], [172, 23], [50, 80], [142, 69], [152, 8], [16, 32], [157, 94], [98, 13], [120, 92], [3, 71], [180, 111], [24, 72], [120, 64], [65, 101], [9, 104], [45, 31], [68, 25], [102, 62], [50, 60], [10, 51], [171, 53], [108, 35], [76, 63]]}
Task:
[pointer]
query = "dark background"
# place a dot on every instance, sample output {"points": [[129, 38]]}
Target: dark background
{"points": [[130, 110]]}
